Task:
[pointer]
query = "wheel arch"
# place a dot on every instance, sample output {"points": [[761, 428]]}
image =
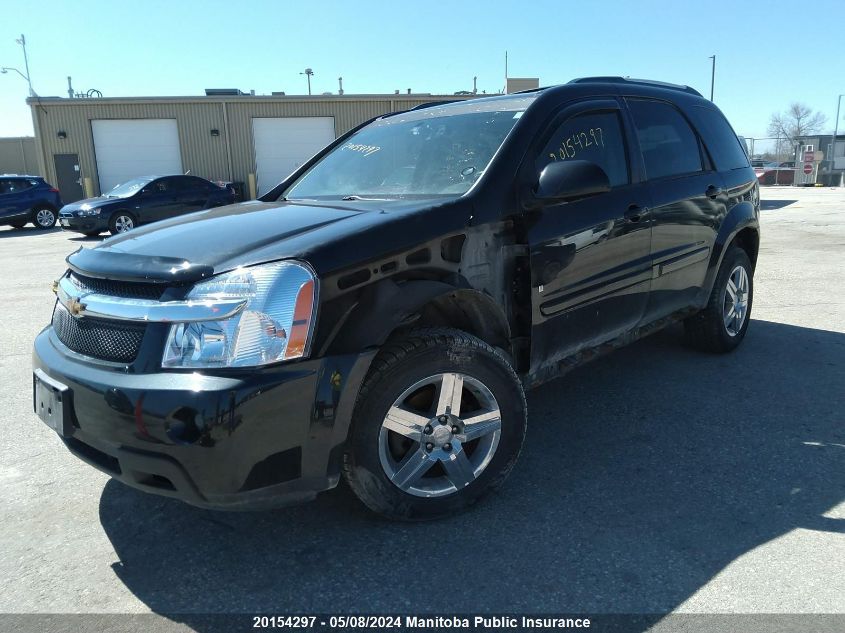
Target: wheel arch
{"points": [[390, 307], [748, 239], [43, 205], [742, 227]]}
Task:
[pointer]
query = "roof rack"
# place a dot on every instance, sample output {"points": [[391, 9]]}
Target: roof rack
{"points": [[631, 80]]}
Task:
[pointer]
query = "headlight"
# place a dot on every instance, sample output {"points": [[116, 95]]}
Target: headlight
{"points": [[275, 324], [85, 210]]}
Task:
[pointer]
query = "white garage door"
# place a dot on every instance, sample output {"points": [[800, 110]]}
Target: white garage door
{"points": [[282, 145], [128, 148]]}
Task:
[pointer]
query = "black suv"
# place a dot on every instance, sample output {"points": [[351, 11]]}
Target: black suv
{"points": [[379, 313]]}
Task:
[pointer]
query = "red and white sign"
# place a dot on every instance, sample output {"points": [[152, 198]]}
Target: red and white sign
{"points": [[808, 168], [809, 157]]}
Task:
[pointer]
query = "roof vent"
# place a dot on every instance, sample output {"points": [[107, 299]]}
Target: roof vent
{"points": [[223, 92]]}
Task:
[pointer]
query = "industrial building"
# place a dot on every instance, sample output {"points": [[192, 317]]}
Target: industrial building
{"points": [[87, 146], [17, 156]]}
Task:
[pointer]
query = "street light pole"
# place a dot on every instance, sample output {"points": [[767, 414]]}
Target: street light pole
{"points": [[833, 140], [6, 69], [712, 76], [22, 42], [308, 72]]}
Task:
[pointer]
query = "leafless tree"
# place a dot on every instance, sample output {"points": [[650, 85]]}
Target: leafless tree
{"points": [[798, 120]]}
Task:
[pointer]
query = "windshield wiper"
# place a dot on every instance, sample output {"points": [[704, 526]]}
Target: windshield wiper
{"points": [[354, 197]]}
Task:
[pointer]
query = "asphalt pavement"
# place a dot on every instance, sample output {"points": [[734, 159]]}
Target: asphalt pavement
{"points": [[653, 480]]}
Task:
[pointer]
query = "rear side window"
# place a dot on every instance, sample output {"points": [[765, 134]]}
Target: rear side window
{"points": [[592, 136], [667, 142], [161, 186], [724, 146], [14, 185]]}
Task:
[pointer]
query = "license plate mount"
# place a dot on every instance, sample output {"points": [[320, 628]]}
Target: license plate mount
{"points": [[51, 401]]}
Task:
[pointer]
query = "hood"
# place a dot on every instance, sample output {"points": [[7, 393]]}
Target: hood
{"points": [[197, 245], [88, 202], [329, 236]]}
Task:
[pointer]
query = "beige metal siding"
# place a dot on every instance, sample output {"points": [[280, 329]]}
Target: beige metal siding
{"points": [[347, 115], [204, 155], [17, 156]]}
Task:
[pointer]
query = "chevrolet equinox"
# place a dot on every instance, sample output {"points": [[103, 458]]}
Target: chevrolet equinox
{"points": [[379, 313]]}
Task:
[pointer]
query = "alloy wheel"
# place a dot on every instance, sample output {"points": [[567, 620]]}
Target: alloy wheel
{"points": [[440, 435], [45, 218], [124, 223], [735, 302]]}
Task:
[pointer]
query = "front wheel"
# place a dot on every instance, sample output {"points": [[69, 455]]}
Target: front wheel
{"points": [[721, 326], [44, 218], [121, 222], [439, 422]]}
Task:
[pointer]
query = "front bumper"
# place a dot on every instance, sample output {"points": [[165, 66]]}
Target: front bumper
{"points": [[84, 224], [236, 440]]}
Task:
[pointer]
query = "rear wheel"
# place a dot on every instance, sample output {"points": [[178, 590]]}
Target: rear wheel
{"points": [[121, 222], [44, 218], [439, 422], [721, 326]]}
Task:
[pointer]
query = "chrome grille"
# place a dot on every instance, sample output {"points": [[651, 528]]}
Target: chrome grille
{"points": [[124, 289], [116, 341]]}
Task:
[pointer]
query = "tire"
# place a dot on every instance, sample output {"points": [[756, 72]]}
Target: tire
{"points": [[121, 222], [713, 329], [44, 218], [417, 469]]}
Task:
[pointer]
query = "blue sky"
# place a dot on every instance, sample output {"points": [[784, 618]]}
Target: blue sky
{"points": [[179, 48]]}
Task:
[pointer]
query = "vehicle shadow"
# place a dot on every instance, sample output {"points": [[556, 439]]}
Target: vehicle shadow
{"points": [[643, 475], [773, 205], [11, 231], [87, 238]]}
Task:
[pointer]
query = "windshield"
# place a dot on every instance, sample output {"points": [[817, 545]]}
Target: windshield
{"points": [[410, 156], [128, 188]]}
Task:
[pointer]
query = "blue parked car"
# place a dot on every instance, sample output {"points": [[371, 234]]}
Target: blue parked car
{"points": [[143, 200], [28, 199]]}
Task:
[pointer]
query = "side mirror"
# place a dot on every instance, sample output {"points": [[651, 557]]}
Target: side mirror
{"points": [[570, 180]]}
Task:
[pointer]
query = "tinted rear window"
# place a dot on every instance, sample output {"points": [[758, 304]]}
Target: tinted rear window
{"points": [[719, 138], [668, 144]]}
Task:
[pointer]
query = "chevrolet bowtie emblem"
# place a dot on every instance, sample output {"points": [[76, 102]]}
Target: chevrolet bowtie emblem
{"points": [[75, 306]]}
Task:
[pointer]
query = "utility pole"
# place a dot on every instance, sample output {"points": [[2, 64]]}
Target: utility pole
{"points": [[833, 140], [712, 76], [308, 73]]}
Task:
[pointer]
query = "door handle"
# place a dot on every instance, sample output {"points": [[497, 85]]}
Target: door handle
{"points": [[713, 192], [635, 213]]}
